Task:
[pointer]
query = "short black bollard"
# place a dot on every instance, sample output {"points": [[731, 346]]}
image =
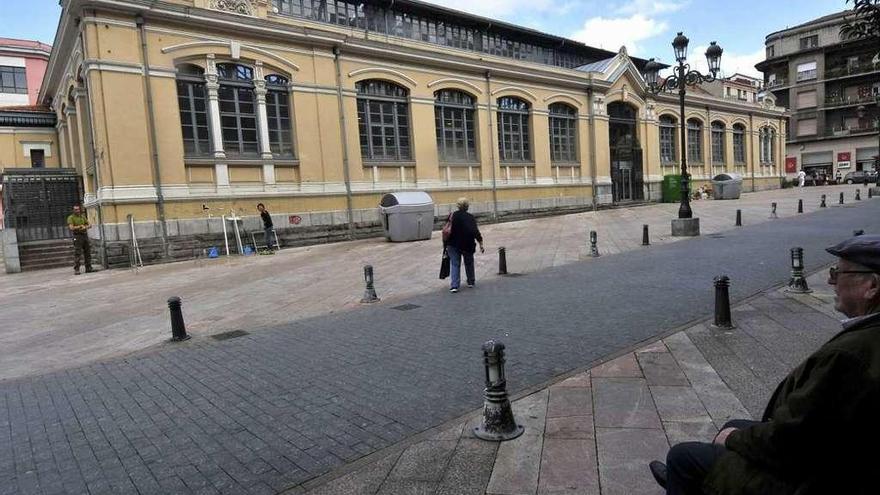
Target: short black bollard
{"points": [[646, 241], [498, 423], [773, 211], [797, 283], [841, 197], [858, 194], [370, 295], [502, 261], [739, 218], [178, 327], [800, 206], [859, 232], [822, 202], [722, 303], [594, 241]]}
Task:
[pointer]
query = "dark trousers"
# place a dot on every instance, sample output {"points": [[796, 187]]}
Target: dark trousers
{"points": [[81, 249], [455, 257], [688, 463], [270, 236]]}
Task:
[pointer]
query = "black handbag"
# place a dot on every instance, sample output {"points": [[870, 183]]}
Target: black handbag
{"points": [[444, 265]]}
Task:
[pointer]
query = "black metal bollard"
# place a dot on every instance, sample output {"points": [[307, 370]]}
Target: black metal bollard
{"points": [[739, 218], [773, 211], [646, 241], [822, 202], [800, 206], [502, 261], [370, 295], [859, 232], [797, 283], [498, 423], [858, 194], [841, 197], [178, 327], [722, 303], [594, 241]]}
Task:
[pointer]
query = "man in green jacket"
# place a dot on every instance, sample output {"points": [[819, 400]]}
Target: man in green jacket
{"points": [[822, 424], [78, 223]]}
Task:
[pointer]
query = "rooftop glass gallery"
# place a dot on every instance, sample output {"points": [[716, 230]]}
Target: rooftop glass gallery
{"points": [[418, 22]]}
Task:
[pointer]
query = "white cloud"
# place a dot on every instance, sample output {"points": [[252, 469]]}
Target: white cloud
{"points": [[649, 7], [731, 63], [611, 33]]}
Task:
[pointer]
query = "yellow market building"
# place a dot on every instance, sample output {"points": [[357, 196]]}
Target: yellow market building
{"points": [[176, 112]]}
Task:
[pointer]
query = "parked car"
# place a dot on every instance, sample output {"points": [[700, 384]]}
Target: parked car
{"points": [[858, 176]]}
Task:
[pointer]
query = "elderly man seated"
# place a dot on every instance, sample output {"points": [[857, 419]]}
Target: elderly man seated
{"points": [[822, 424]]}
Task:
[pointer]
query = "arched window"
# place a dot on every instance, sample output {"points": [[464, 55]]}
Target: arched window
{"points": [[513, 130], [383, 120], [454, 122], [717, 143], [739, 144], [695, 141], [278, 115], [563, 133], [767, 136], [191, 100], [238, 114], [667, 138]]}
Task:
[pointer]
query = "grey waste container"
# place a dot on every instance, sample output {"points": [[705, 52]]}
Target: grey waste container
{"points": [[407, 216], [727, 186]]}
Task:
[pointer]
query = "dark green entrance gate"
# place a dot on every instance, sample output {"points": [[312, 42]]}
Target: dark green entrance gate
{"points": [[36, 202], [627, 171]]}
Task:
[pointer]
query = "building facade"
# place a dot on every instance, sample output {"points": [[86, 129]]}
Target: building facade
{"points": [[832, 89], [738, 87], [177, 112], [22, 65]]}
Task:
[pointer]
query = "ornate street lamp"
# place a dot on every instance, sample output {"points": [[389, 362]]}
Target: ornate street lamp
{"points": [[682, 77]]}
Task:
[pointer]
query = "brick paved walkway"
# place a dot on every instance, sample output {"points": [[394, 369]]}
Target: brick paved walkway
{"points": [[595, 432], [272, 409], [113, 313]]}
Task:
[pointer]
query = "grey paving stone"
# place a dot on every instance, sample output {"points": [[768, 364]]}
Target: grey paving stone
{"points": [[653, 347], [571, 427], [660, 368], [579, 380], [569, 401], [364, 481], [408, 487], [623, 403], [469, 469], [517, 466], [625, 366], [689, 431], [568, 466], [423, 461], [678, 404], [531, 412], [624, 454]]}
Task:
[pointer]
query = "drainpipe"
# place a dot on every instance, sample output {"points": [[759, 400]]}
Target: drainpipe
{"points": [[591, 114], [102, 245], [342, 127], [493, 146], [151, 123], [752, 149]]}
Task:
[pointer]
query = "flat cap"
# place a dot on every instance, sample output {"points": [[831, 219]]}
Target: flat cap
{"points": [[861, 249]]}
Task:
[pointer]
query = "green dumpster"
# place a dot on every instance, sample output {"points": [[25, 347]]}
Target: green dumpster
{"points": [[671, 188]]}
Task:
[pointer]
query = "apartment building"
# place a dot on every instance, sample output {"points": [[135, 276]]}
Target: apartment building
{"points": [[831, 87], [22, 66]]}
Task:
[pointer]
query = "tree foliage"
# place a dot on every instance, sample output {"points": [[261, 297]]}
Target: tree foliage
{"points": [[864, 22]]}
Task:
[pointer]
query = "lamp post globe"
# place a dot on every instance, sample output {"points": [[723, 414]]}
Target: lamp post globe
{"points": [[680, 46]]}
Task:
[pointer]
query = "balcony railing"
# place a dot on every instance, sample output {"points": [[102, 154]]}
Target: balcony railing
{"points": [[837, 131], [849, 70], [850, 100], [779, 81]]}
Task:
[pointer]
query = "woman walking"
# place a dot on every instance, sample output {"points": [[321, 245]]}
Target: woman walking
{"points": [[461, 243]]}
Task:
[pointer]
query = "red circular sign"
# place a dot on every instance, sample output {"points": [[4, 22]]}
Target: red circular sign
{"points": [[295, 219]]}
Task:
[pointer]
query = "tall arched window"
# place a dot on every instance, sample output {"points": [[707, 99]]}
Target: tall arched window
{"points": [[563, 133], [193, 110], [278, 115], [739, 144], [717, 143], [238, 114], [667, 138], [767, 136], [695, 141], [513, 130], [454, 121], [383, 120]]}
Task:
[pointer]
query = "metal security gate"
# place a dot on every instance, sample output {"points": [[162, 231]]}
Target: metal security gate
{"points": [[627, 176], [37, 202]]}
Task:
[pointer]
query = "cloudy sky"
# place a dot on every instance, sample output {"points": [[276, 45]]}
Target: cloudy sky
{"points": [[645, 27]]}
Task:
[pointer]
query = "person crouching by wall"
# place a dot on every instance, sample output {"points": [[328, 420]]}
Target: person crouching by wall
{"points": [[462, 244]]}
